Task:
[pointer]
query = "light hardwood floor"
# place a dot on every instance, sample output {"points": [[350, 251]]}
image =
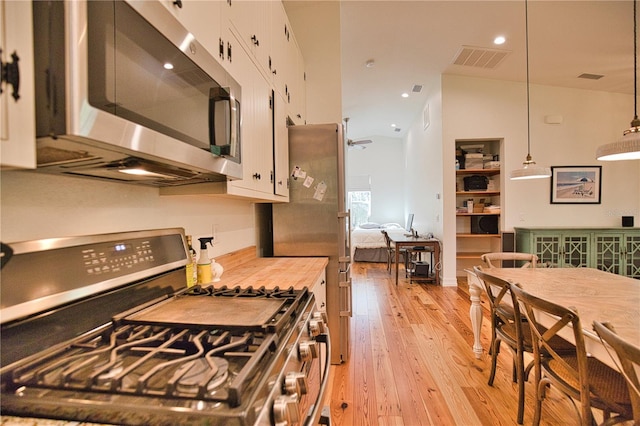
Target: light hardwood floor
{"points": [[411, 361]]}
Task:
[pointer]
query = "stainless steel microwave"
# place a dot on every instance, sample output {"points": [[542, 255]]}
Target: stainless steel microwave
{"points": [[125, 93]]}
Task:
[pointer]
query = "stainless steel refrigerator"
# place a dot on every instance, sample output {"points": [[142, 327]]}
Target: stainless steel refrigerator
{"points": [[316, 222]]}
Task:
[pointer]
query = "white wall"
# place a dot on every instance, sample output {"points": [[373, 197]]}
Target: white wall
{"points": [[36, 206], [481, 108], [424, 168], [383, 161]]}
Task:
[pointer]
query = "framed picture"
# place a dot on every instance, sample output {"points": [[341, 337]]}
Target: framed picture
{"points": [[576, 184]]}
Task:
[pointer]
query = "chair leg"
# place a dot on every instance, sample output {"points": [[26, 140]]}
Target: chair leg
{"points": [[519, 361], [495, 350]]}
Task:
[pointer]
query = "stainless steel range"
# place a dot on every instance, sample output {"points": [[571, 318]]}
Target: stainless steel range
{"points": [[101, 328]]}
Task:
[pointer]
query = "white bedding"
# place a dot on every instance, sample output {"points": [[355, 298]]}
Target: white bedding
{"points": [[372, 237]]}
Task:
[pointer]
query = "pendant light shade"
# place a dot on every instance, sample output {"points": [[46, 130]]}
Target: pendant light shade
{"points": [[529, 168], [628, 147]]}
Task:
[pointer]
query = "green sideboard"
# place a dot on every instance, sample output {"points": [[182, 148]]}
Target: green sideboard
{"points": [[615, 250]]}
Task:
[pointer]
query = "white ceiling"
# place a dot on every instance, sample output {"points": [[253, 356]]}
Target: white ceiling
{"points": [[414, 42]]}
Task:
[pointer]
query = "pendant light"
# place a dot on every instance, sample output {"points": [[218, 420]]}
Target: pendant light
{"points": [[627, 147], [529, 168]]}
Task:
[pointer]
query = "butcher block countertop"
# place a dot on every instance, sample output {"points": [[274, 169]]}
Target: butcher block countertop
{"points": [[270, 272]]}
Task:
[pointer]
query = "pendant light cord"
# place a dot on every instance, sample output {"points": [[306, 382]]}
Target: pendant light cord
{"points": [[635, 62], [526, 38]]}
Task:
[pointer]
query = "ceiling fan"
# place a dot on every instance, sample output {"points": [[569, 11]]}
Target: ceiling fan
{"points": [[354, 144]]}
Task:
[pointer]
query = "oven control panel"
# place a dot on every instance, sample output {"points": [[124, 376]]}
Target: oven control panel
{"points": [[48, 273]]}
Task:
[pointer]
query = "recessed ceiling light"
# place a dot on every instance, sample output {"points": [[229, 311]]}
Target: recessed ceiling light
{"points": [[370, 63], [499, 40], [405, 95], [393, 125], [168, 66]]}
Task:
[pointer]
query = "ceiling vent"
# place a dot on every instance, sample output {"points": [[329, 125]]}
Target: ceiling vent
{"points": [[417, 88], [480, 57], [397, 129], [591, 76]]}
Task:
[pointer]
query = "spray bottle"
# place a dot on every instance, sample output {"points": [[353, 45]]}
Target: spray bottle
{"points": [[204, 263], [192, 268]]}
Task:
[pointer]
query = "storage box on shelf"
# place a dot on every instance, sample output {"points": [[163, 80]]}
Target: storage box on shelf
{"points": [[478, 194]]}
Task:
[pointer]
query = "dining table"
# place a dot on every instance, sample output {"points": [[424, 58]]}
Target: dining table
{"points": [[594, 294], [407, 240]]}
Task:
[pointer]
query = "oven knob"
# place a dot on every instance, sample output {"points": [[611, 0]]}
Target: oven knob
{"points": [[316, 327], [285, 410], [308, 350], [319, 315], [295, 383]]}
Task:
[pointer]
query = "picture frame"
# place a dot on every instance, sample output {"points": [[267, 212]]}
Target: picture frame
{"points": [[576, 184]]}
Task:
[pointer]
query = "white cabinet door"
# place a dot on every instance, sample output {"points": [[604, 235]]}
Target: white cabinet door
{"points": [[202, 19], [252, 22], [282, 57], [257, 132], [319, 289], [17, 106], [297, 105], [281, 147]]}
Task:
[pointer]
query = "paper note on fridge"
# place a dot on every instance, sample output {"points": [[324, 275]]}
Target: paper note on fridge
{"points": [[308, 182], [298, 173], [321, 190]]}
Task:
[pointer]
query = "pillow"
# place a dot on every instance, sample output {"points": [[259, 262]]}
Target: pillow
{"points": [[370, 225], [392, 226]]}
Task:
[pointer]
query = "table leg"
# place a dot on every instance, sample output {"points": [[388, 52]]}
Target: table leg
{"points": [[397, 259], [475, 312]]}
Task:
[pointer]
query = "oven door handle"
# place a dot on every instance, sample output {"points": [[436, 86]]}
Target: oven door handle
{"points": [[314, 417]]}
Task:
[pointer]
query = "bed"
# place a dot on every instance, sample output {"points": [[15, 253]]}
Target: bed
{"points": [[367, 241]]}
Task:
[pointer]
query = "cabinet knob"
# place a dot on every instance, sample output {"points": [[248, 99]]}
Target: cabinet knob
{"points": [[257, 176], [255, 40], [177, 3]]}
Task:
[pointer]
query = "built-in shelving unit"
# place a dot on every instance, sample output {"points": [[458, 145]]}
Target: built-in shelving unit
{"points": [[477, 231]]}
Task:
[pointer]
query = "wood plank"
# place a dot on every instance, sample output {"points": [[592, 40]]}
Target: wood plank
{"points": [[411, 361]]}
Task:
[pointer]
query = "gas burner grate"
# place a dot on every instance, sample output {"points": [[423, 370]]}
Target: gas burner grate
{"points": [[211, 365]]}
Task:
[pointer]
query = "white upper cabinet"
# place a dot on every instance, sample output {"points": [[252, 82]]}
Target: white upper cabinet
{"points": [[298, 92], [252, 22], [281, 146], [202, 19], [17, 101]]}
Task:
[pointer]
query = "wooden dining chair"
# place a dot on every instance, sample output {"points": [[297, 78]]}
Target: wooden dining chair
{"points": [[507, 326], [584, 379], [391, 250], [627, 359], [498, 259]]}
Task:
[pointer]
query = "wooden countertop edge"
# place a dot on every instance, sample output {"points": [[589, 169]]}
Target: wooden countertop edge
{"points": [[243, 268]]}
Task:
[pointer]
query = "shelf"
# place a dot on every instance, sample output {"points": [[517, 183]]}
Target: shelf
{"points": [[488, 172], [477, 193], [477, 235], [477, 214]]}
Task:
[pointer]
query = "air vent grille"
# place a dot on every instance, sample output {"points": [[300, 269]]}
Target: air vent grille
{"points": [[397, 129], [480, 57], [417, 88]]}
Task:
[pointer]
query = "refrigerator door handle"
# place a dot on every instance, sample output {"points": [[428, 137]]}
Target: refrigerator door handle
{"points": [[346, 309], [345, 257]]}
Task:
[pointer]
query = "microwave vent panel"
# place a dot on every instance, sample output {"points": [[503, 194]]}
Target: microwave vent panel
{"points": [[480, 57]]}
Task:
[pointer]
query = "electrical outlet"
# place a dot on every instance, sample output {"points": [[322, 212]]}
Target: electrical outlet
{"points": [[214, 234]]}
